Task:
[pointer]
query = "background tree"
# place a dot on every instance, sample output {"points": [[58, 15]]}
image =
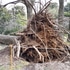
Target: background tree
{"points": [[67, 14], [61, 14], [12, 20], [27, 3], [29, 7]]}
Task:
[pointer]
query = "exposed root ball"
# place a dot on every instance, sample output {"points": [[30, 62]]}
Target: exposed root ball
{"points": [[41, 41]]}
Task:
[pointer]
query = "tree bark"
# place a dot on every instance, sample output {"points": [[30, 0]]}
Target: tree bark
{"points": [[11, 40], [18, 46], [69, 30], [61, 11], [7, 39], [61, 15], [29, 8], [29, 12]]}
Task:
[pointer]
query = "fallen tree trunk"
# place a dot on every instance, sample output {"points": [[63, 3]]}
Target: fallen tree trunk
{"points": [[7, 39], [11, 40]]}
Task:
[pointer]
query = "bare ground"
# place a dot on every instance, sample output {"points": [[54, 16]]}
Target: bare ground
{"points": [[19, 64]]}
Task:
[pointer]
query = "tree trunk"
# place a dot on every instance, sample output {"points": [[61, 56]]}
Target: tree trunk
{"points": [[29, 12], [61, 15], [69, 30], [29, 8], [11, 40], [7, 39], [61, 11]]}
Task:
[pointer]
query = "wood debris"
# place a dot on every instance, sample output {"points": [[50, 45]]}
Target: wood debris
{"points": [[40, 41]]}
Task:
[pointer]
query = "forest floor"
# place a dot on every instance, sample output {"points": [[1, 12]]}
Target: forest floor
{"points": [[5, 60], [19, 64]]}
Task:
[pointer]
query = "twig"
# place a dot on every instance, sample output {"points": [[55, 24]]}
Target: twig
{"points": [[37, 36], [18, 48], [20, 34], [45, 6], [32, 6], [11, 57], [40, 55], [46, 43], [42, 43], [14, 2]]}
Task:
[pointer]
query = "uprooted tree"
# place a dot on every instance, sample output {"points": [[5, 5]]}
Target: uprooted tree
{"points": [[40, 41]]}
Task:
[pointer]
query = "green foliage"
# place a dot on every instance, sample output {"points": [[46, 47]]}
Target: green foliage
{"points": [[20, 15], [4, 15], [8, 17], [21, 19], [67, 14], [10, 31]]}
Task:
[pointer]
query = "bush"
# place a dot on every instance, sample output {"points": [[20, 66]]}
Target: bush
{"points": [[67, 14]]}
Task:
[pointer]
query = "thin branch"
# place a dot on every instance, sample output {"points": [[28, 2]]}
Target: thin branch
{"points": [[32, 7], [45, 6], [42, 43], [14, 2], [41, 57], [37, 36]]}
